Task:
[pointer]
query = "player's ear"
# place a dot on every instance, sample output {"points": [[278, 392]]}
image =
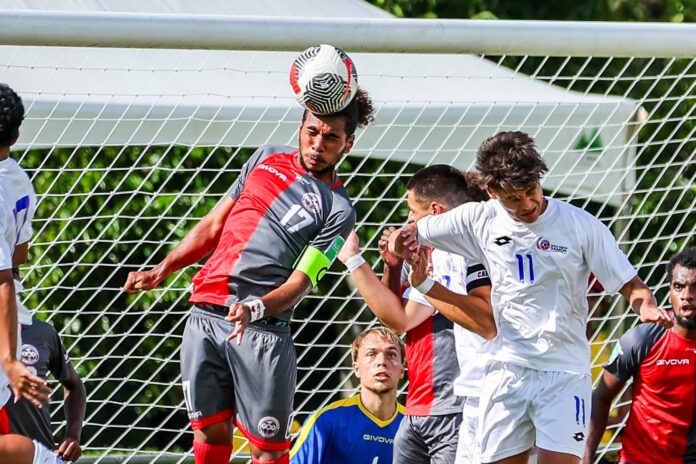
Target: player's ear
{"points": [[349, 144], [491, 192], [435, 207], [356, 370]]}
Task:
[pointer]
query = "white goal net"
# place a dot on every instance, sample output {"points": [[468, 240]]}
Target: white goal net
{"points": [[128, 148]]}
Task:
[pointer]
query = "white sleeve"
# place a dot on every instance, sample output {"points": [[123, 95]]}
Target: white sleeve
{"points": [[605, 259], [452, 231], [7, 236]]}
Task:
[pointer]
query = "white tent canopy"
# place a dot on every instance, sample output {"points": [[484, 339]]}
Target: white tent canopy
{"points": [[97, 96]]}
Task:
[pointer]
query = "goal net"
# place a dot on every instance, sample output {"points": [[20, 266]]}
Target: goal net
{"points": [[129, 148]]}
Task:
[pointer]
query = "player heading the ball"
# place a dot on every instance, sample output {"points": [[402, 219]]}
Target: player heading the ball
{"points": [[271, 238]]}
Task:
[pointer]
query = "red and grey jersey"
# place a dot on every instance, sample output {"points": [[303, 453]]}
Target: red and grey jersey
{"points": [[280, 209], [435, 361], [660, 426]]}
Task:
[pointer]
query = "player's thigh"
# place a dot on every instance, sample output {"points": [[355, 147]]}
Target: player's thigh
{"points": [[409, 446], [505, 428], [561, 411], [207, 381], [265, 371], [441, 434], [467, 451]]}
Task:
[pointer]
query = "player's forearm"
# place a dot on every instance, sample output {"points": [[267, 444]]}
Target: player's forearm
{"points": [[391, 278], [598, 424], [385, 304], [74, 406], [638, 295], [469, 311], [287, 295], [8, 318]]}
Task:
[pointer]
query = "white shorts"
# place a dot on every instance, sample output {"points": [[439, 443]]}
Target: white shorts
{"points": [[522, 406], [467, 451]]}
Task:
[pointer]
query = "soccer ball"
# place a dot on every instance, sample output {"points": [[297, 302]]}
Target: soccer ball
{"points": [[324, 79]]}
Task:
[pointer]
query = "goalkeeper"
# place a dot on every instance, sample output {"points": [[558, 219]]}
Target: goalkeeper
{"points": [[272, 238]]}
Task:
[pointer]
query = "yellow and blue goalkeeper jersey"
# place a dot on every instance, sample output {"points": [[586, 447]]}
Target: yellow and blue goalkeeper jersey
{"points": [[345, 432]]}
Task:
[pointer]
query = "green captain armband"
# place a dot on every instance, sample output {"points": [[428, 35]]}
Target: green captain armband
{"points": [[315, 263]]}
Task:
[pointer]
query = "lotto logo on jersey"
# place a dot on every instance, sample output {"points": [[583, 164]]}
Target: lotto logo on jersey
{"points": [[544, 244], [30, 355]]}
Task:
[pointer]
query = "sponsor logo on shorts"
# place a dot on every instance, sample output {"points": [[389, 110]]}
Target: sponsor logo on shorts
{"points": [[579, 437], [268, 427], [30, 355], [274, 171], [545, 244], [672, 362], [195, 415], [311, 202], [378, 439]]}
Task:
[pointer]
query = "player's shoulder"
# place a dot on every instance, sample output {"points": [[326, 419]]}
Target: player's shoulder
{"points": [[643, 336], [40, 327], [569, 210]]}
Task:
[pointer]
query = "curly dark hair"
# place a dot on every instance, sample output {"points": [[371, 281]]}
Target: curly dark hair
{"points": [[510, 161], [444, 183], [359, 112], [11, 115], [686, 258]]}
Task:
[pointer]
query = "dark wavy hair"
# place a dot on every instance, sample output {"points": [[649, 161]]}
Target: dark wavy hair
{"points": [[510, 161], [11, 115], [359, 112]]}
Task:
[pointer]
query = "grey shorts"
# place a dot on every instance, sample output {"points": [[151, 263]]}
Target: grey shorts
{"points": [[427, 439], [254, 382]]}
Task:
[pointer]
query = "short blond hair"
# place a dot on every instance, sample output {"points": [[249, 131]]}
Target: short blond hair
{"points": [[383, 333]]}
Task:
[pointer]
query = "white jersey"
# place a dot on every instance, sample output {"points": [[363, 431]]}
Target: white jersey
{"points": [[539, 274], [7, 244], [22, 199], [21, 195], [450, 270]]}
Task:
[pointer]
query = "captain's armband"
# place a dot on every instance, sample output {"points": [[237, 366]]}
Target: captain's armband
{"points": [[315, 263]]}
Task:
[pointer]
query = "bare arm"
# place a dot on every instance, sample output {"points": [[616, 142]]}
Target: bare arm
{"points": [[21, 254], [609, 386], [473, 311], [75, 399], [197, 243], [643, 302], [278, 300], [23, 383], [384, 302], [393, 265]]}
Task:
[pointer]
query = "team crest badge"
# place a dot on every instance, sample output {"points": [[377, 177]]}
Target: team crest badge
{"points": [[30, 355], [268, 427], [310, 201], [545, 244]]}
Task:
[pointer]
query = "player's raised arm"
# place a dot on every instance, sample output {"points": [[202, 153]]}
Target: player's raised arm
{"points": [[472, 311], [197, 243], [643, 302], [382, 301], [403, 242]]}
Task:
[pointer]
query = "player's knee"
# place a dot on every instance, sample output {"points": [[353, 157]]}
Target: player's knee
{"points": [[260, 456], [219, 433]]}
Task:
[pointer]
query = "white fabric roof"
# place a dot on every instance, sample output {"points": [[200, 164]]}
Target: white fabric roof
{"points": [[243, 98]]}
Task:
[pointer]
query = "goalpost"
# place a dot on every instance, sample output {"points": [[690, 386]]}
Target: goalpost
{"points": [[129, 147]]}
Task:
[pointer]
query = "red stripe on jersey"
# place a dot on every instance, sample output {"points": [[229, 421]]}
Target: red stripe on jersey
{"points": [[420, 356], [4, 421], [260, 443], [262, 187]]}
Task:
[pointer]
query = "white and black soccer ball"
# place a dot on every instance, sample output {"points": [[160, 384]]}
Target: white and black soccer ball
{"points": [[324, 79]]}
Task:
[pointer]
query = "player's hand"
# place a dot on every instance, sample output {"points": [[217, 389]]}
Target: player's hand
{"points": [[26, 385], [69, 450], [420, 268], [404, 243], [389, 258], [240, 315], [350, 248], [143, 280], [659, 316]]}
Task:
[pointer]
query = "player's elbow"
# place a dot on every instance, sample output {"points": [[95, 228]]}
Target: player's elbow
{"points": [[489, 332]]}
